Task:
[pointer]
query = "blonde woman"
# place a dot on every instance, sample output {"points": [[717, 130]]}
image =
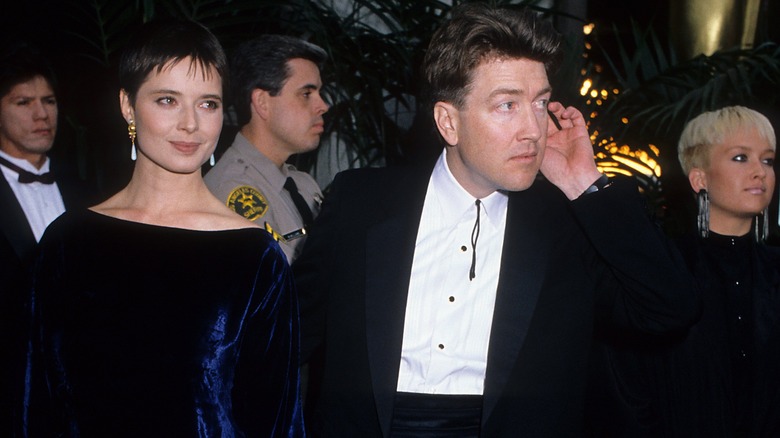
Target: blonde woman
{"points": [[720, 378]]}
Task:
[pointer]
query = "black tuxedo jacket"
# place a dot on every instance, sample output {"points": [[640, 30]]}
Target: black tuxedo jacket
{"points": [[565, 267], [17, 252]]}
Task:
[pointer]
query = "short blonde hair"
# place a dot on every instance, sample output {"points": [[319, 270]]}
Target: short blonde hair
{"points": [[713, 127]]}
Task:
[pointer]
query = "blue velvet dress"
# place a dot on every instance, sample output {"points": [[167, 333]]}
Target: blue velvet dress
{"points": [[142, 330]]}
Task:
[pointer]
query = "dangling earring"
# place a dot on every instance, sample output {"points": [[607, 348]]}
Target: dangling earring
{"points": [[703, 218], [132, 133], [763, 218], [212, 161]]}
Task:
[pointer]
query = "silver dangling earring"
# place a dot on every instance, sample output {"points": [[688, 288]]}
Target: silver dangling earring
{"points": [[131, 132], [212, 161], [703, 217], [763, 218]]}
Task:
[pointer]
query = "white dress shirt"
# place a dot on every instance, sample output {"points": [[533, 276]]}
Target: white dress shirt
{"points": [[449, 317], [41, 203]]}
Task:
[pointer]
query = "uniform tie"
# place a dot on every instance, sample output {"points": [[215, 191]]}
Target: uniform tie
{"points": [[300, 203], [26, 177], [474, 237]]}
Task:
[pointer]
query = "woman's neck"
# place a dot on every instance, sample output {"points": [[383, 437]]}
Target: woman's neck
{"points": [[730, 226]]}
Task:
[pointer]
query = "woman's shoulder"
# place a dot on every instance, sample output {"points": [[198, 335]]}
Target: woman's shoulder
{"points": [[69, 221]]}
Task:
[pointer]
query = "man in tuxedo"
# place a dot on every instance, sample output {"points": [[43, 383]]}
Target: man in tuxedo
{"points": [[31, 196], [459, 299]]}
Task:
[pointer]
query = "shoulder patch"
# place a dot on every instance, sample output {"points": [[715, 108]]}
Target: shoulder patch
{"points": [[248, 202]]}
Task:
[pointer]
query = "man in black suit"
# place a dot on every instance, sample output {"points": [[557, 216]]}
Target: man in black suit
{"points": [[459, 300], [31, 196]]}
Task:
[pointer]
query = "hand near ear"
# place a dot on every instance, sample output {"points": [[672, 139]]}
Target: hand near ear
{"points": [[568, 159]]}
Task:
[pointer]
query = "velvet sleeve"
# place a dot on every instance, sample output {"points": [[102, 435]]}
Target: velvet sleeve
{"points": [[266, 392], [46, 399]]}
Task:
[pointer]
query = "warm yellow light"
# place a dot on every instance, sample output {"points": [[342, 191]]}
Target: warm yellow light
{"points": [[624, 120], [594, 93], [585, 87], [588, 28], [633, 164]]}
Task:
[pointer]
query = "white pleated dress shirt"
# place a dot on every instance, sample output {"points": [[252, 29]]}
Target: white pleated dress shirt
{"points": [[41, 203], [449, 317]]}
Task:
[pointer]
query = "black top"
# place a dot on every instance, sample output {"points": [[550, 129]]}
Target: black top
{"points": [[721, 378], [143, 330]]}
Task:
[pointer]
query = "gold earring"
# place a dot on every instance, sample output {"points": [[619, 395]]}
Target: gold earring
{"points": [[131, 132]]}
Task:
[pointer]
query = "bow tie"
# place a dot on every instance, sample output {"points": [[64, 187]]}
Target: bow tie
{"points": [[26, 177]]}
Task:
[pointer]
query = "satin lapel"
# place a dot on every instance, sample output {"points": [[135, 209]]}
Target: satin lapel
{"points": [[523, 263], [14, 224], [390, 250]]}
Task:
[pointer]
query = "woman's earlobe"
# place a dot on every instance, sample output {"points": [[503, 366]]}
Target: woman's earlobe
{"points": [[698, 179]]}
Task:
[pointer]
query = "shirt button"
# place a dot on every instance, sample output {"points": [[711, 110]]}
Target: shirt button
{"points": [[463, 248], [452, 299], [441, 346]]}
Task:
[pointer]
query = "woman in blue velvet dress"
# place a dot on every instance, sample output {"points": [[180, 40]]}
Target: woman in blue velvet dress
{"points": [[160, 312]]}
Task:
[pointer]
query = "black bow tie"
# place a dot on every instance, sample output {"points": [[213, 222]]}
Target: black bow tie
{"points": [[26, 177]]}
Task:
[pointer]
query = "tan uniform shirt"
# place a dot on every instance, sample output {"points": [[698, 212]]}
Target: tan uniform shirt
{"points": [[251, 185]]}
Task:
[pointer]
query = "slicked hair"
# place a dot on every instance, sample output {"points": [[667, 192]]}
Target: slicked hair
{"points": [[262, 63], [478, 32]]}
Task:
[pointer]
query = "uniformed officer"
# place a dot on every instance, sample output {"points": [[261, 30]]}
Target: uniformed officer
{"points": [[276, 89]]}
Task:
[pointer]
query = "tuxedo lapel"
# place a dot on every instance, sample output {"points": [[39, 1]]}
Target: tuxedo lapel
{"points": [[523, 263], [389, 252], [13, 223]]}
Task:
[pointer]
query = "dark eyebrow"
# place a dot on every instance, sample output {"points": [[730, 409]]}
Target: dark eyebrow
{"points": [[178, 93], [166, 91], [515, 91]]}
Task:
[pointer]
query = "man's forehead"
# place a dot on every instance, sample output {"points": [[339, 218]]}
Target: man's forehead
{"points": [[30, 87], [505, 73]]}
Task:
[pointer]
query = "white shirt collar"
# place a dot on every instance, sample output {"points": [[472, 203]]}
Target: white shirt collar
{"points": [[26, 165], [456, 201]]}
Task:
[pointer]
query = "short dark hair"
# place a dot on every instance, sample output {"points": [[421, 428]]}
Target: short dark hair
{"points": [[478, 32], [21, 62], [262, 63], [160, 42]]}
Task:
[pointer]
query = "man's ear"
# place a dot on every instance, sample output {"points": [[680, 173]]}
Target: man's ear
{"points": [[259, 102], [698, 179], [125, 106], [445, 116]]}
